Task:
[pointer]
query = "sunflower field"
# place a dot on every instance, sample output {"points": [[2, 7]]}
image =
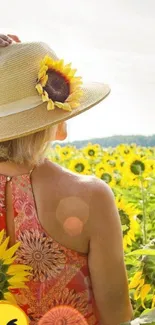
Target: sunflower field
{"points": [[130, 172]]}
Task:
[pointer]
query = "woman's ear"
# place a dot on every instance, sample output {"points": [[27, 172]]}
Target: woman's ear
{"points": [[61, 133]]}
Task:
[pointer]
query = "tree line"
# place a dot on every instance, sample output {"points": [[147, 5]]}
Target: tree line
{"points": [[113, 141]]}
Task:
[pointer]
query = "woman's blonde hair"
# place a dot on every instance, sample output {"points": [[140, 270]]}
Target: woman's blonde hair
{"points": [[29, 149]]}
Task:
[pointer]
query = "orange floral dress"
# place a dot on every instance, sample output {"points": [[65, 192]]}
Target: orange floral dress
{"points": [[60, 275]]}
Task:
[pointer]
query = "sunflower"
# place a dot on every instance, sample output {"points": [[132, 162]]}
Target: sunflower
{"points": [[66, 152], [80, 165], [91, 151], [112, 160], [100, 167], [141, 288], [104, 172], [68, 87], [129, 222], [124, 150], [108, 178], [136, 166], [143, 281], [135, 171], [12, 276], [151, 165]]}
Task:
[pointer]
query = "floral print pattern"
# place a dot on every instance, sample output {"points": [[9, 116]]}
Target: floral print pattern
{"points": [[43, 254], [63, 315], [60, 275]]}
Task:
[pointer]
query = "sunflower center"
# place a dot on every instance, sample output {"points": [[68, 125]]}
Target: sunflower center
{"points": [[111, 163], [124, 218], [91, 152], [79, 167], [65, 153], [137, 167], [106, 177], [126, 151], [57, 86]]}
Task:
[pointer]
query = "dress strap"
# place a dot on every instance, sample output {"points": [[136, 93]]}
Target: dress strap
{"points": [[30, 172]]}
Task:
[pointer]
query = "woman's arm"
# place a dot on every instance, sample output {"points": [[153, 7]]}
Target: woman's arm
{"points": [[106, 258]]}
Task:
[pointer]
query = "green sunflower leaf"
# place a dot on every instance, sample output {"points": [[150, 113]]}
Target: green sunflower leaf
{"points": [[149, 252]]}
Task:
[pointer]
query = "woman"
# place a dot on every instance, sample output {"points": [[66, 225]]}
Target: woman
{"points": [[68, 224]]}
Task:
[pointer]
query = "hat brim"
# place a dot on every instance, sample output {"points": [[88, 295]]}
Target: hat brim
{"points": [[39, 118]]}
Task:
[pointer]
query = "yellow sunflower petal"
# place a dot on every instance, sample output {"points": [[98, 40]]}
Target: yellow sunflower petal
{"points": [[141, 283], [18, 285], [50, 105], [137, 293], [129, 241], [125, 243], [143, 293], [17, 282], [3, 246], [50, 62], [1, 235], [74, 104], [18, 278], [135, 280], [21, 273], [9, 297], [131, 235], [10, 260], [41, 74], [10, 252], [18, 268], [64, 106], [39, 89], [72, 73], [44, 68], [74, 87], [67, 69], [75, 96], [44, 80], [45, 97], [45, 60], [76, 80], [60, 64]]}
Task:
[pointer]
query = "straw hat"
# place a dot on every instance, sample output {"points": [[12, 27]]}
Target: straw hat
{"points": [[38, 90]]}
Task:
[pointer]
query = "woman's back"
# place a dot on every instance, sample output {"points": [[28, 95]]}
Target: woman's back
{"points": [[48, 212], [68, 225]]}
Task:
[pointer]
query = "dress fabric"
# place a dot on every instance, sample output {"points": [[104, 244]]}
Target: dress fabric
{"points": [[60, 275]]}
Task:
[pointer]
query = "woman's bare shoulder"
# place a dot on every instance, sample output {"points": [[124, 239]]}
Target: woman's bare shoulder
{"points": [[95, 190], [52, 170]]}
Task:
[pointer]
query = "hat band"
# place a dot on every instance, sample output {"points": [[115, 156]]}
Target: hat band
{"points": [[19, 106]]}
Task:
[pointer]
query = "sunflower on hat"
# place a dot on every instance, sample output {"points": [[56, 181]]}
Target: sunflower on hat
{"points": [[58, 85]]}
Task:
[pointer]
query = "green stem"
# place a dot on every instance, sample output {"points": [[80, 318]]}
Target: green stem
{"points": [[144, 214]]}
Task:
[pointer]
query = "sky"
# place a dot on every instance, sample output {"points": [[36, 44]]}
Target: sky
{"points": [[107, 41]]}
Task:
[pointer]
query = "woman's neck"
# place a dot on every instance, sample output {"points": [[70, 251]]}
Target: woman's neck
{"points": [[12, 169]]}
